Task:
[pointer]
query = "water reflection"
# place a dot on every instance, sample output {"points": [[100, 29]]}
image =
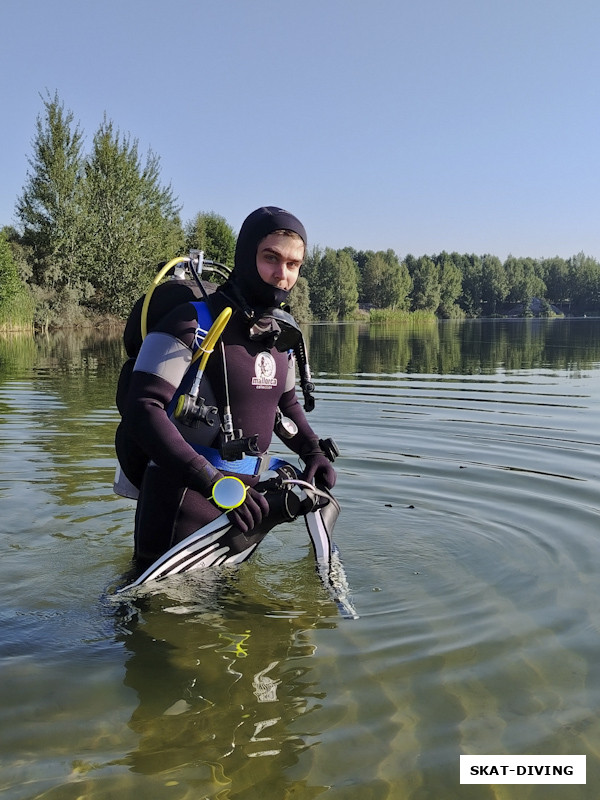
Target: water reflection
{"points": [[454, 347], [463, 347], [223, 683]]}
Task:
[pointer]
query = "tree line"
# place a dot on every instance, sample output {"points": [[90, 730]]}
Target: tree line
{"points": [[449, 285], [93, 226]]}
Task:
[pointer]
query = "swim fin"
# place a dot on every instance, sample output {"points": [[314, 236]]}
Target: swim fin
{"points": [[206, 547], [320, 523], [218, 543]]}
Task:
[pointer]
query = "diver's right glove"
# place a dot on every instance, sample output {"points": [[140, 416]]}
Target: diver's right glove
{"points": [[251, 512], [318, 466], [202, 477]]}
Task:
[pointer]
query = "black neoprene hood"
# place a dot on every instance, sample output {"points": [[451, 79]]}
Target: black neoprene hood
{"points": [[256, 226]]}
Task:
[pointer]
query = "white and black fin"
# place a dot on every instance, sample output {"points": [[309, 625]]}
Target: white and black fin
{"points": [[320, 523], [218, 543], [207, 547]]}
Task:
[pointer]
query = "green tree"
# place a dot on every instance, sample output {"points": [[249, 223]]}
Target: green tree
{"points": [[347, 285], [16, 303], [585, 281], [22, 255], [309, 271], [426, 290], [470, 266], [360, 259], [50, 207], [372, 277], [132, 221], [212, 234], [332, 279], [311, 263], [299, 300], [320, 284], [401, 282], [524, 280], [450, 285], [494, 282], [385, 281], [556, 277]]}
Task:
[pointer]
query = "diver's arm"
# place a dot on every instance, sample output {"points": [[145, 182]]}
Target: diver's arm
{"points": [[306, 442], [147, 422], [305, 438], [162, 362], [150, 425], [291, 408]]}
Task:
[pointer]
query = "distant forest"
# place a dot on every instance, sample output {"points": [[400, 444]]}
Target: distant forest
{"points": [[93, 227]]}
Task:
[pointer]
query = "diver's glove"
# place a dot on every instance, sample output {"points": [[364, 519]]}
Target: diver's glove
{"points": [[251, 512], [202, 476], [318, 466]]}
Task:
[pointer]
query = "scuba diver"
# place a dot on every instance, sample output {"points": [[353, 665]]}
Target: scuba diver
{"points": [[189, 421]]}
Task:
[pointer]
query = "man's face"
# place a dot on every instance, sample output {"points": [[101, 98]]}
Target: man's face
{"points": [[278, 260]]}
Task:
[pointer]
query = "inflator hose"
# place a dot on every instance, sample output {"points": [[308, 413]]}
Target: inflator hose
{"points": [[157, 279]]}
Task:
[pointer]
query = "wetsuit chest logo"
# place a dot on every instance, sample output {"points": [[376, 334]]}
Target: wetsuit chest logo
{"points": [[264, 370]]}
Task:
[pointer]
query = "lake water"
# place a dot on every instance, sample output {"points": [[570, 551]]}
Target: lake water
{"points": [[469, 483]]}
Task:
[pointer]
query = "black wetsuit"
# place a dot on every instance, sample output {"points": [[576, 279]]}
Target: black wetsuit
{"points": [[171, 503], [168, 461]]}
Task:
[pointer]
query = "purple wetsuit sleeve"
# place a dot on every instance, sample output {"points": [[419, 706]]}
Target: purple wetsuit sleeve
{"points": [[290, 407], [149, 425], [161, 363]]}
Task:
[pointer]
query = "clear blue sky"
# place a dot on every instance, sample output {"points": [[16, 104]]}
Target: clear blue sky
{"points": [[416, 125]]}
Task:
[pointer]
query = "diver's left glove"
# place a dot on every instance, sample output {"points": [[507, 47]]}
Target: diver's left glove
{"points": [[251, 512], [318, 466]]}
